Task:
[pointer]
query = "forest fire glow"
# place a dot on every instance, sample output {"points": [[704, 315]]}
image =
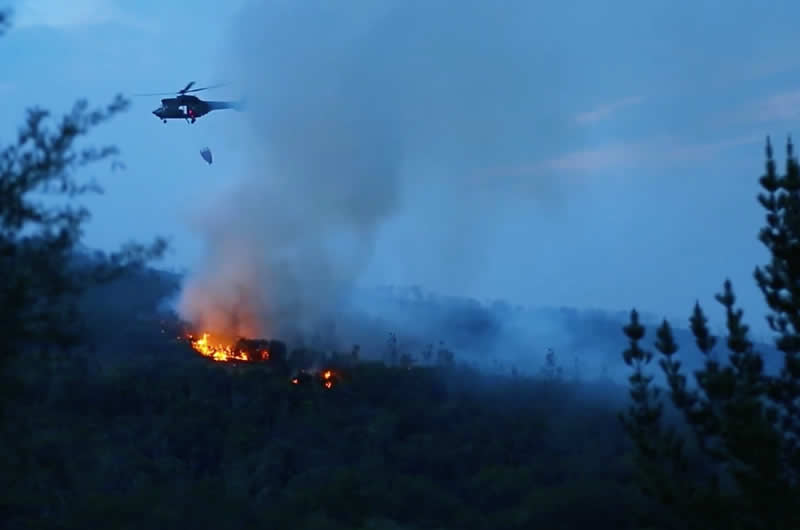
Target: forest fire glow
{"points": [[217, 351], [217, 348], [326, 377]]}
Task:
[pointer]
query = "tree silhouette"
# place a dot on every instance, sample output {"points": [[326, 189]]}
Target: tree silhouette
{"points": [[5, 16], [40, 265], [745, 421]]}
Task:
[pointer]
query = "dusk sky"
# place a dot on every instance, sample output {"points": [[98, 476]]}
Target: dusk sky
{"points": [[587, 154]]}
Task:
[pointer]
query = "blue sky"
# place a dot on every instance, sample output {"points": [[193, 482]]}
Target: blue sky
{"points": [[610, 149]]}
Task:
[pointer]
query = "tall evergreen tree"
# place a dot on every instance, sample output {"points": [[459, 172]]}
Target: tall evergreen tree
{"points": [[745, 421]]}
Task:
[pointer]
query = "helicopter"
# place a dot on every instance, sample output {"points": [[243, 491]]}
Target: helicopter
{"points": [[185, 106]]}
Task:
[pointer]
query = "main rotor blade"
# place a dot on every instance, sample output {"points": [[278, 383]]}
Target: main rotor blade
{"points": [[205, 87], [183, 91], [156, 94]]}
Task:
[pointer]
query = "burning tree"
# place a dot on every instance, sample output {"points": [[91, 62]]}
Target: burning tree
{"points": [[246, 350], [220, 349], [206, 346]]}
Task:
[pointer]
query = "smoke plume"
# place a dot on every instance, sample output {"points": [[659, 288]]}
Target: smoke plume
{"points": [[359, 112]]}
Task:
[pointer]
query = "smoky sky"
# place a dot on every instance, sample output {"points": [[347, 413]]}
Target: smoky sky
{"points": [[358, 113], [413, 142]]}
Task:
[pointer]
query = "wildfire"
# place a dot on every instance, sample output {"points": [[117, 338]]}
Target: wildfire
{"points": [[326, 378], [248, 350], [218, 352]]}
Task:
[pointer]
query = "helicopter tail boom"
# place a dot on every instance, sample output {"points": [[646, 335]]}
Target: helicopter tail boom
{"points": [[218, 105]]}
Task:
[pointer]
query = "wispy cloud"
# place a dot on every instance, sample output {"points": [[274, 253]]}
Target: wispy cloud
{"points": [[607, 156], [61, 14], [663, 151], [605, 111], [782, 106]]}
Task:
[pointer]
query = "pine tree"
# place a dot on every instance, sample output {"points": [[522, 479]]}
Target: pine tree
{"points": [[745, 422], [550, 370], [391, 349]]}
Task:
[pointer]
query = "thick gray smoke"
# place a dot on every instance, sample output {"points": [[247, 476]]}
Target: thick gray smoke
{"points": [[359, 112]]}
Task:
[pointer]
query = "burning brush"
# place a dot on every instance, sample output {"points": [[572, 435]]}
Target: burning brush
{"points": [[242, 350], [326, 378], [256, 350]]}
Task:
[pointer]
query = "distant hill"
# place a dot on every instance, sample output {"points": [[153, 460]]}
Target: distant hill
{"points": [[498, 332], [496, 336]]}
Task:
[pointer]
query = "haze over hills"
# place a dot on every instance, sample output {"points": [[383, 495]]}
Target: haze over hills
{"points": [[495, 337]]}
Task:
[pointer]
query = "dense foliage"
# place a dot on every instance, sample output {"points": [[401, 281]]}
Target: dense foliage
{"points": [[42, 279], [38, 240], [191, 442]]}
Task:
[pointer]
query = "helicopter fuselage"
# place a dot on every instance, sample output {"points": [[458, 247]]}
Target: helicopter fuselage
{"points": [[182, 108], [189, 107]]}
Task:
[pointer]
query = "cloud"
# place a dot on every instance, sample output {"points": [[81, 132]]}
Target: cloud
{"points": [[605, 157], [59, 14], [782, 106], [664, 151], [705, 151], [605, 111]]}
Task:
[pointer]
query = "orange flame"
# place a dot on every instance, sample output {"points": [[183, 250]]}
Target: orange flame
{"points": [[218, 352], [326, 376]]}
